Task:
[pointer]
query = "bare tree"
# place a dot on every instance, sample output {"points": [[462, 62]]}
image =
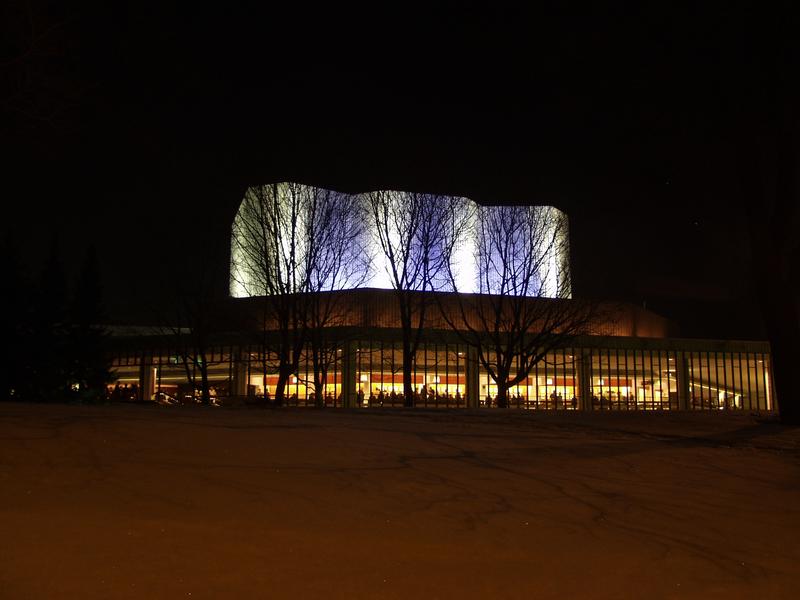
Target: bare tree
{"points": [[269, 255], [338, 259], [41, 81], [190, 329], [523, 308], [191, 314], [415, 234], [292, 242], [769, 168]]}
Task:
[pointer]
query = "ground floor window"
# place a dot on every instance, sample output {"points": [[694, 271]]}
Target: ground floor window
{"points": [[447, 374]]}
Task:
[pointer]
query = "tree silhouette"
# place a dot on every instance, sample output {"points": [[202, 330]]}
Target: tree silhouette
{"points": [[89, 371], [339, 259], [189, 314], [49, 365], [42, 81], [14, 321], [769, 169], [416, 235], [291, 243], [765, 133], [523, 308]]}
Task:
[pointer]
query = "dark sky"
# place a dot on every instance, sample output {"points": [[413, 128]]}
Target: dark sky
{"points": [[139, 127]]}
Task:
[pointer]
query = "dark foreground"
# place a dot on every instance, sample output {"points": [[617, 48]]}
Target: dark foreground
{"points": [[141, 502]]}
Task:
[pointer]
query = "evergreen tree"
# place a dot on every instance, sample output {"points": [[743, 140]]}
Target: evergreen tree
{"points": [[89, 366], [47, 376], [14, 320]]}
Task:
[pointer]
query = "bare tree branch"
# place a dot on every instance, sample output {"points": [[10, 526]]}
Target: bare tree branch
{"points": [[291, 243], [416, 235], [523, 308]]}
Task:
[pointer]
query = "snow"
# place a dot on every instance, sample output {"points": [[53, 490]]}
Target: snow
{"points": [[147, 502]]}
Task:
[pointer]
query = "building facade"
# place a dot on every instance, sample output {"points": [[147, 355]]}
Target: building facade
{"points": [[626, 359], [272, 221], [631, 364]]}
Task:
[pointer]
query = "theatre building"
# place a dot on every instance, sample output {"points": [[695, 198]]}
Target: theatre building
{"points": [[626, 358]]}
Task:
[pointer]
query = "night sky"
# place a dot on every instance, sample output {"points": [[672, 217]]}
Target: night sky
{"points": [[139, 127]]}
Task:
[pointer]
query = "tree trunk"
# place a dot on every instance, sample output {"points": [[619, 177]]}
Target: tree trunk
{"points": [[780, 316], [263, 378], [408, 356], [280, 387], [205, 392], [502, 391], [408, 384], [770, 212], [319, 387]]}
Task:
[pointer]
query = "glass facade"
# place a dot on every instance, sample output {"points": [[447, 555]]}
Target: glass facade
{"points": [[439, 377], [367, 373], [730, 380], [625, 379], [552, 384]]}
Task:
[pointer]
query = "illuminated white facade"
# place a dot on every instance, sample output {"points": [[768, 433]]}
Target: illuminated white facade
{"points": [[543, 246]]}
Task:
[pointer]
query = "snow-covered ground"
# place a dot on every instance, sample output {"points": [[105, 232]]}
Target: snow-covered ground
{"points": [[147, 502]]}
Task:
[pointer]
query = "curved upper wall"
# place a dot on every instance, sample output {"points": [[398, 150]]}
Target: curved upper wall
{"points": [[489, 232]]}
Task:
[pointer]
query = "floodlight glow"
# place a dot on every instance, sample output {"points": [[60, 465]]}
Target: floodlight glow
{"points": [[551, 254]]}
